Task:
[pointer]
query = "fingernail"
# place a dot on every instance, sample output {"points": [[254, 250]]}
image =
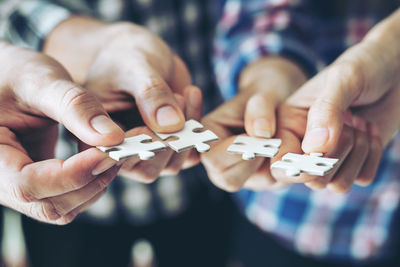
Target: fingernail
{"points": [[359, 124], [261, 128], [167, 116], [315, 138], [103, 166], [103, 124]]}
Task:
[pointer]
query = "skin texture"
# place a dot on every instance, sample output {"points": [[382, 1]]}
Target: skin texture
{"points": [[135, 75], [36, 93], [352, 104]]}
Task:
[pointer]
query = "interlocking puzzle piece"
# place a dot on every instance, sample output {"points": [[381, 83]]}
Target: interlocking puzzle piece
{"points": [[313, 164], [250, 147], [139, 145], [188, 138]]}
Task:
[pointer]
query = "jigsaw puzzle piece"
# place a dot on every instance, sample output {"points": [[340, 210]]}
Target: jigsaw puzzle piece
{"points": [[188, 138], [250, 147], [313, 164], [139, 145]]}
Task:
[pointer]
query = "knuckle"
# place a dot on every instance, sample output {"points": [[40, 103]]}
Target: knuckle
{"points": [[170, 170], [76, 181], [144, 176], [228, 184], [20, 194], [340, 187], [351, 75], [103, 183], [66, 219], [153, 87], [74, 96], [45, 211]]}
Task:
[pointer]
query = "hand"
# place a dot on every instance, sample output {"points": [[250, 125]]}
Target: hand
{"points": [[264, 85], [165, 162], [358, 147], [126, 66], [36, 93], [364, 81], [136, 76]]}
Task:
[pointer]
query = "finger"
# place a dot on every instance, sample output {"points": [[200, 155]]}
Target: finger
{"points": [[194, 99], [193, 109], [233, 178], [65, 203], [263, 180], [148, 171], [371, 165], [78, 110], [339, 85], [180, 76], [348, 172], [260, 116], [154, 98], [290, 144], [55, 177], [218, 159], [72, 214], [341, 151]]}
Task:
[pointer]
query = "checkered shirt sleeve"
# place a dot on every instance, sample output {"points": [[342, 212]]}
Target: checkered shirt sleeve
{"points": [[28, 23], [249, 30]]}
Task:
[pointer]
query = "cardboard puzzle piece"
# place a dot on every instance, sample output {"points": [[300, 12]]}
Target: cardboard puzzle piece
{"points": [[250, 147], [188, 138], [313, 164], [139, 145]]}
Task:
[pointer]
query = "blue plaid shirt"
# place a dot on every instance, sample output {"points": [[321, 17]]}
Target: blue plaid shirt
{"points": [[352, 227], [356, 226]]}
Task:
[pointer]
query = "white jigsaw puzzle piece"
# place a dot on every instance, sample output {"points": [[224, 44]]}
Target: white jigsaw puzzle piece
{"points": [[313, 164], [250, 147], [188, 138], [139, 145]]}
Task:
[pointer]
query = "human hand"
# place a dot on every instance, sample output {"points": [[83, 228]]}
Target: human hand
{"points": [[137, 78], [126, 66], [264, 85], [35, 93], [365, 82], [165, 162]]}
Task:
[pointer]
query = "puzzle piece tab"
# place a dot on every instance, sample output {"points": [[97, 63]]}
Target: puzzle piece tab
{"points": [[139, 145], [188, 138], [250, 147], [313, 164]]}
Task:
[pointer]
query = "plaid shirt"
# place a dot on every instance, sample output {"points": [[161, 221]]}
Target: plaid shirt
{"points": [[352, 227], [355, 226]]}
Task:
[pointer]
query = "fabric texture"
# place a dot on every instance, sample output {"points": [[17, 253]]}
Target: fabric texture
{"points": [[352, 227]]}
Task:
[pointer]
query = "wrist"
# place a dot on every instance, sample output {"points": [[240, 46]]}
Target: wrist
{"points": [[272, 75]]}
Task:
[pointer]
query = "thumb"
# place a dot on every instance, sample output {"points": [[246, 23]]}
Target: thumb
{"points": [[154, 98], [79, 111], [260, 118], [341, 85]]}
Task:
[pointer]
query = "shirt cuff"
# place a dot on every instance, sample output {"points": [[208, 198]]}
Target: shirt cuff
{"points": [[31, 21], [228, 67]]}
